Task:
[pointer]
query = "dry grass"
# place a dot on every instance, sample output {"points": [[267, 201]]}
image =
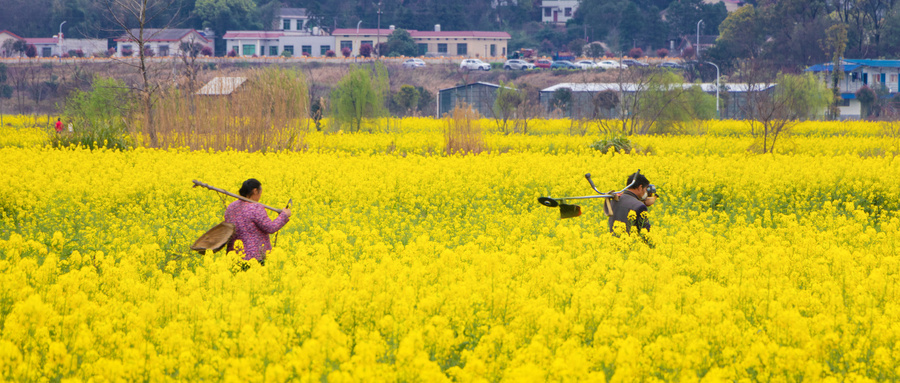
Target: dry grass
{"points": [[268, 112], [462, 134]]}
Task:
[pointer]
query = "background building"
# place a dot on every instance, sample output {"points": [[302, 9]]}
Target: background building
{"points": [[163, 42], [558, 11], [431, 43]]}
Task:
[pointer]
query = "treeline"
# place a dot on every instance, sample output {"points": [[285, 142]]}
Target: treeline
{"points": [[791, 33]]}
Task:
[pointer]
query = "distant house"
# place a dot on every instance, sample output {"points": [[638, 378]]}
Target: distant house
{"points": [[730, 5], [558, 11], [46, 46], [163, 42], [7, 38], [581, 105], [430, 43], [55, 47], [876, 74], [289, 33], [222, 86], [480, 96], [677, 45]]}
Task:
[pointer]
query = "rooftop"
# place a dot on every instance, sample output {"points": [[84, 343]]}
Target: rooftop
{"points": [[221, 86]]}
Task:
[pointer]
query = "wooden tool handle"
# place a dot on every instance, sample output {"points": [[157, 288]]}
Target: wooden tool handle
{"points": [[213, 188]]}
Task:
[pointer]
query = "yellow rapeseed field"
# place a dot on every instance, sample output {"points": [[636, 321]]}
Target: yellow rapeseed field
{"points": [[403, 264]]}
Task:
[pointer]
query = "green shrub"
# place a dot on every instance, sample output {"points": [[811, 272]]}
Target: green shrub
{"points": [[99, 116], [620, 144]]}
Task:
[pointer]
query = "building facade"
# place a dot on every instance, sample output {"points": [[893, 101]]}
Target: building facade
{"points": [[163, 42], [290, 36], [558, 11], [879, 75], [431, 43]]}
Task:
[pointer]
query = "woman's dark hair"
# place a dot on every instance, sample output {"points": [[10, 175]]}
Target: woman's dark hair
{"points": [[641, 181], [248, 186]]}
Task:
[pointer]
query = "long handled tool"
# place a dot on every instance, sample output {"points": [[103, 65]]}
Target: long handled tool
{"points": [[213, 188], [571, 211]]}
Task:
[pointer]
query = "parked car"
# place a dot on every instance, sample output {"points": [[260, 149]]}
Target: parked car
{"points": [[631, 62], [543, 64], [474, 64], [671, 65], [586, 64], [517, 65], [414, 63], [563, 64], [610, 64]]}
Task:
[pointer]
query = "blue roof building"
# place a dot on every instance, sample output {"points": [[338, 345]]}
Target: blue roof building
{"points": [[877, 74]]}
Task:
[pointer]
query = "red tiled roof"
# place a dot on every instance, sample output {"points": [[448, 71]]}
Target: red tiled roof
{"points": [[252, 35], [41, 40], [500, 35], [12, 34], [415, 33], [154, 34], [362, 31]]}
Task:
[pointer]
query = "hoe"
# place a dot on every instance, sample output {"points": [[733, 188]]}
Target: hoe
{"points": [[572, 211]]}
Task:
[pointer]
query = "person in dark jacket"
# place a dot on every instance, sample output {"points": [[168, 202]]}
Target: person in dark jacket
{"points": [[631, 206]]}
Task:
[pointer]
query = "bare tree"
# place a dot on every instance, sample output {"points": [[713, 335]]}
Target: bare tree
{"points": [[774, 104], [143, 13]]}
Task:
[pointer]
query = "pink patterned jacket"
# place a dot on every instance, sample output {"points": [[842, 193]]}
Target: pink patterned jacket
{"points": [[252, 226]]}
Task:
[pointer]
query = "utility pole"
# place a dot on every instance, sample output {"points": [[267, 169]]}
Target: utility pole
{"points": [[697, 48], [378, 41]]}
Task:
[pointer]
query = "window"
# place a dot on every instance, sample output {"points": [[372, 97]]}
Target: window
{"points": [[346, 44], [289, 49], [286, 25], [462, 49], [46, 52], [249, 50], [324, 49], [845, 102], [273, 51], [493, 50], [306, 50], [423, 49], [164, 50], [442, 48], [364, 42], [568, 12], [235, 49], [547, 12]]}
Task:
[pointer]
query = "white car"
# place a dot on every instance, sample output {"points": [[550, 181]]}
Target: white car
{"points": [[586, 64], [610, 64], [474, 64], [517, 64], [414, 63]]}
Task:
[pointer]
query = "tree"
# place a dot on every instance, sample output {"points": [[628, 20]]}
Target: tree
{"points": [[867, 97], [836, 43], [407, 98], [662, 52], [636, 53], [224, 15], [577, 47], [561, 100], [667, 104], [401, 43], [30, 51], [508, 105], [345, 52], [359, 95], [100, 113], [143, 13], [365, 50], [772, 111], [6, 91]]}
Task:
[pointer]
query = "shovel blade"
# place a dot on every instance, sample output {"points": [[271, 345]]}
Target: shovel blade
{"points": [[569, 211]]}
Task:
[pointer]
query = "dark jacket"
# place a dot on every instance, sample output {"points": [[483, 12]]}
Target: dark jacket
{"points": [[628, 202]]}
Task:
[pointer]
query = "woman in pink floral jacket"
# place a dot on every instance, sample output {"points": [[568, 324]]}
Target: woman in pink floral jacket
{"points": [[251, 224]]}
